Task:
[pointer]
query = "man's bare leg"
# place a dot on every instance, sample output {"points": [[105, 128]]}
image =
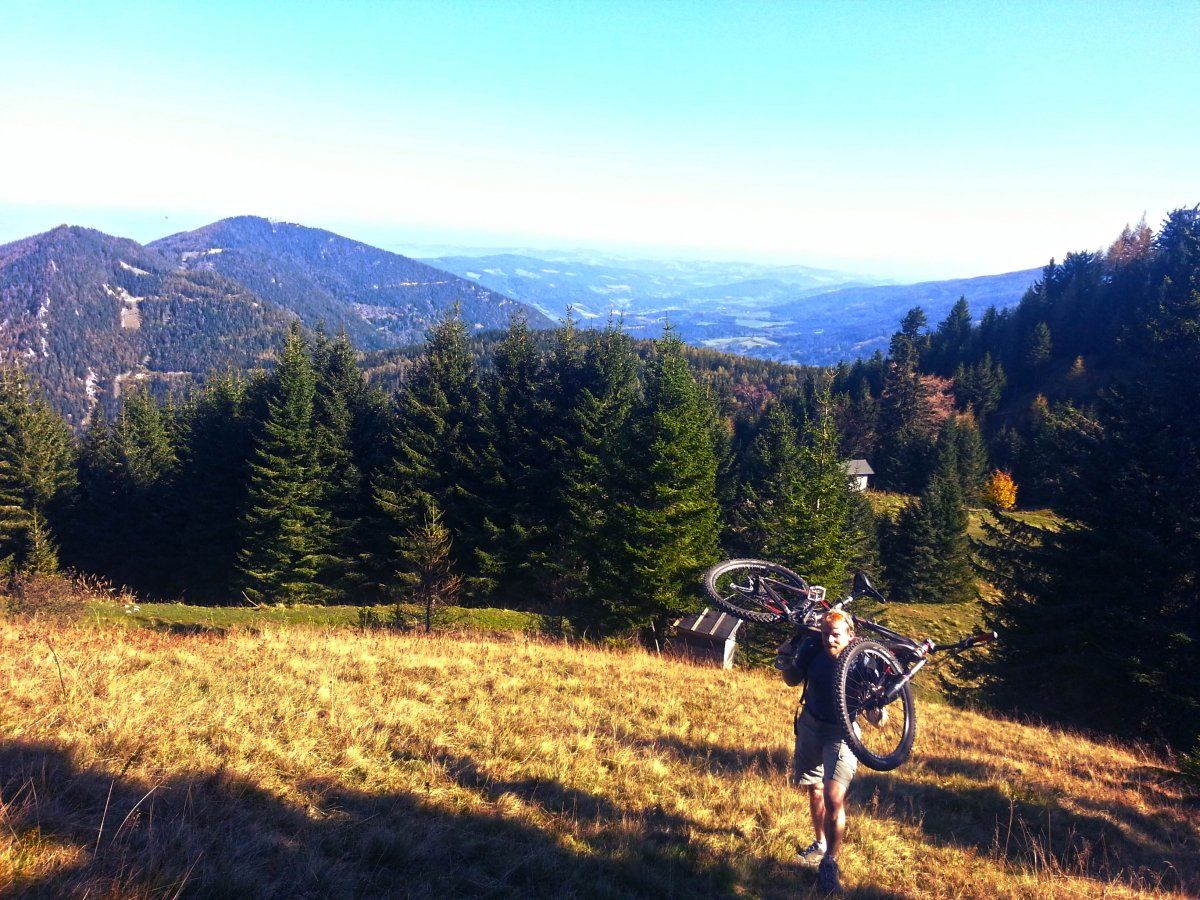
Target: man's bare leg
{"points": [[816, 805], [834, 806]]}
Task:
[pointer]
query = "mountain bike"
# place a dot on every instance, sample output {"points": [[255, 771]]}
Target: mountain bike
{"points": [[872, 684]]}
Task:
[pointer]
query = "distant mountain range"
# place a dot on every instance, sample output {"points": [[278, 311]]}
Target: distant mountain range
{"points": [[789, 314], [88, 313]]}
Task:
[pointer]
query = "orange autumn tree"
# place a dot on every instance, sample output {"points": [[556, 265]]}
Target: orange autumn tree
{"points": [[1000, 491]]}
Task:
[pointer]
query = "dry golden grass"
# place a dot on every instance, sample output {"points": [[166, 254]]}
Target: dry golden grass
{"points": [[300, 762]]}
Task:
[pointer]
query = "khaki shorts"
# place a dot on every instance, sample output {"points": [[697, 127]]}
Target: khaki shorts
{"points": [[821, 753]]}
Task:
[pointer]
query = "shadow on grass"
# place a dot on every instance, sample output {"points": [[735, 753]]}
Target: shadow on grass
{"points": [[216, 835], [766, 761], [1055, 831], [1072, 834], [186, 629]]}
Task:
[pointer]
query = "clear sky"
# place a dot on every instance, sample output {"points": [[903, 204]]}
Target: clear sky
{"points": [[902, 139]]}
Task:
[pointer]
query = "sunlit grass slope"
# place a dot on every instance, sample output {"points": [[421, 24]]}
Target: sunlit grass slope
{"points": [[181, 617], [308, 762]]}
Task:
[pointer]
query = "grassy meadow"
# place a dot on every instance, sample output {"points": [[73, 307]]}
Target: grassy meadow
{"points": [[184, 618], [309, 761]]}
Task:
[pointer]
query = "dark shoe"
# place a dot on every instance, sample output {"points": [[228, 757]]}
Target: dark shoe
{"points": [[810, 857], [827, 876]]}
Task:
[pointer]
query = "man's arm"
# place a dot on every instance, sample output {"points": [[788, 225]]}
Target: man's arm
{"points": [[794, 656]]}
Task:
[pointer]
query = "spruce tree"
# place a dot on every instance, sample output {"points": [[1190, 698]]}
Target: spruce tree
{"points": [[673, 513], [770, 498], [950, 343], [796, 505], [863, 540], [426, 575], [286, 535], [518, 529], [971, 461], [210, 490], [825, 535], [1039, 349], [906, 429], [594, 389], [979, 387], [561, 568], [144, 437], [338, 395], [37, 473], [929, 554], [147, 462], [441, 452]]}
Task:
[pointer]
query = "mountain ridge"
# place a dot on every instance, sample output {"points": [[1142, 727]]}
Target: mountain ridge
{"points": [[83, 310], [86, 312], [382, 299]]}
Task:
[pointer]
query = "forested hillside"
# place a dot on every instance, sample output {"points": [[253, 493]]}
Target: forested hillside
{"points": [[88, 314], [1083, 392], [379, 299]]}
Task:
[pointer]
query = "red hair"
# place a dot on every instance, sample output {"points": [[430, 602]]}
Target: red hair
{"points": [[837, 616]]}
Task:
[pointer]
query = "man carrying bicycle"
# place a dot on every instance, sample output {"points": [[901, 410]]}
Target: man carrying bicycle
{"points": [[822, 761]]}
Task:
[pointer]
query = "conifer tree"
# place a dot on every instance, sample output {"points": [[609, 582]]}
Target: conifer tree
{"points": [[41, 557], [36, 473], [286, 529], [826, 533], [144, 442], [929, 554], [979, 387], [595, 472], [559, 561], [146, 465], [859, 422], [519, 412], [210, 491], [863, 540], [796, 501], [950, 343], [769, 504], [441, 452], [906, 427], [338, 396], [673, 512], [426, 574], [970, 456]]}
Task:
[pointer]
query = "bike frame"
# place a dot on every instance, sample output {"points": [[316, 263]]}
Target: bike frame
{"points": [[910, 653]]}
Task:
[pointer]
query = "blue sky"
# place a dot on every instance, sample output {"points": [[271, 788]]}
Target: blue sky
{"points": [[910, 140]]}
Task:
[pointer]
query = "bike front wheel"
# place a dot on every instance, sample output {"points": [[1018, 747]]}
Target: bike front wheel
{"points": [[755, 590], [880, 731]]}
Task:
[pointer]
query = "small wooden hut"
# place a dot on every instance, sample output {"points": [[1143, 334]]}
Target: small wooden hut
{"points": [[709, 636]]}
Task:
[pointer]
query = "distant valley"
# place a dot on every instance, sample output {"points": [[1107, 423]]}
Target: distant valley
{"points": [[792, 314]]}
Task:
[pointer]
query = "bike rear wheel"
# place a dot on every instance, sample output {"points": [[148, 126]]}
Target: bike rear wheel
{"points": [[878, 731], [755, 590]]}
